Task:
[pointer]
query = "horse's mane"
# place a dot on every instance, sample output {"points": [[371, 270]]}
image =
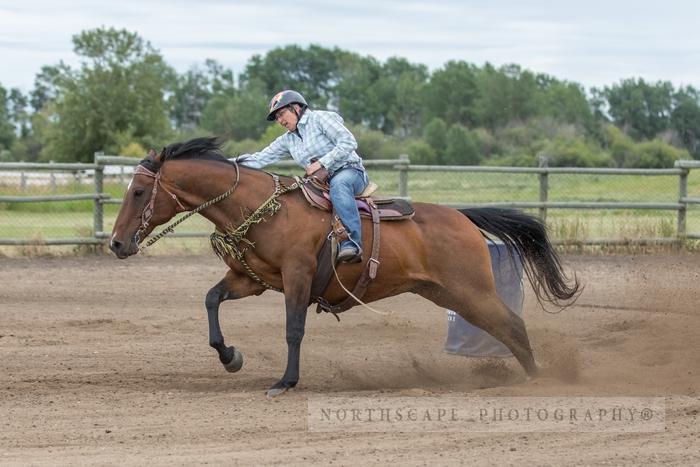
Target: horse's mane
{"points": [[206, 148]]}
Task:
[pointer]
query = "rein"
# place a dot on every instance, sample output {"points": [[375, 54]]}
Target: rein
{"points": [[148, 211]]}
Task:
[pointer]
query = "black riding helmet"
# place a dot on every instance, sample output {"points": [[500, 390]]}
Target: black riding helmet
{"points": [[283, 99]]}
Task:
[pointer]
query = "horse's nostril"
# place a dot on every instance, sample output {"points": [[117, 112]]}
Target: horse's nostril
{"points": [[115, 245]]}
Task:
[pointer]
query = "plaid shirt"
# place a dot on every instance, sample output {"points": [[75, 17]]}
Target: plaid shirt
{"points": [[320, 135]]}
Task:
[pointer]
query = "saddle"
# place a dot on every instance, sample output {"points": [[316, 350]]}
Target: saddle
{"points": [[317, 194]]}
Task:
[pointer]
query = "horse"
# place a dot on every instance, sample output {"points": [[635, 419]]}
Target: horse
{"points": [[441, 253]]}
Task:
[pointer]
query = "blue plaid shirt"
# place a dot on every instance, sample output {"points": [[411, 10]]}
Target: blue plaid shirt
{"points": [[321, 136]]}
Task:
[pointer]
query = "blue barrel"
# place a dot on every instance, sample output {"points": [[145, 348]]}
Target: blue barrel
{"points": [[466, 339]]}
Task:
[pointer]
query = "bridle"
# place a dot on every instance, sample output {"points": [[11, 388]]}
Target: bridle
{"points": [[147, 213]]}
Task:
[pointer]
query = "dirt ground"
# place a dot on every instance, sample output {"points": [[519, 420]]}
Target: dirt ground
{"points": [[107, 362]]}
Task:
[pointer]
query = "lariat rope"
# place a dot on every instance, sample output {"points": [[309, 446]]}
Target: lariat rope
{"points": [[226, 243]]}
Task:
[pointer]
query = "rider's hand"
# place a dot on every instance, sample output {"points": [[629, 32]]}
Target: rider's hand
{"points": [[313, 167]]}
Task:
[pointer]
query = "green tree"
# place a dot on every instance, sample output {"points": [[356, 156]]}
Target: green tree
{"points": [[641, 109], [356, 92], [46, 86], [451, 93], [19, 115], [685, 119], [7, 130], [241, 116], [506, 94], [399, 94], [312, 71], [115, 97], [435, 134], [565, 102], [461, 148], [193, 90]]}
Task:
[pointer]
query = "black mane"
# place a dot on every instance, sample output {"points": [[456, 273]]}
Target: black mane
{"points": [[206, 148]]}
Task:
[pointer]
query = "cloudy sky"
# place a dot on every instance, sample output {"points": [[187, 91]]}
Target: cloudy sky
{"points": [[594, 42]]}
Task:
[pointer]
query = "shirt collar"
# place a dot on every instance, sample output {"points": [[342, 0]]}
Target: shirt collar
{"points": [[302, 121], [304, 118]]}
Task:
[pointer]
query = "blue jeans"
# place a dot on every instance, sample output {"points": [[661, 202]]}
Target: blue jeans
{"points": [[345, 185]]}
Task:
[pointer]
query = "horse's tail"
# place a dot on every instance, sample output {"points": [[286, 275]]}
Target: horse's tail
{"points": [[527, 235]]}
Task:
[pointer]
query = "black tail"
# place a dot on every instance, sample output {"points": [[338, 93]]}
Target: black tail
{"points": [[527, 235]]}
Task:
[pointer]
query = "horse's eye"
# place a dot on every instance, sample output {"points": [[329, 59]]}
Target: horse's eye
{"points": [[138, 192]]}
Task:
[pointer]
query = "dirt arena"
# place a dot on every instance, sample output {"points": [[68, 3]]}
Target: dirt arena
{"points": [[107, 362]]}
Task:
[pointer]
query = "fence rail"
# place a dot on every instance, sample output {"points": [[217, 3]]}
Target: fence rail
{"points": [[402, 168]]}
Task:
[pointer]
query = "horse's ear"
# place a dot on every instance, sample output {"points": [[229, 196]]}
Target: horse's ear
{"points": [[151, 152]]}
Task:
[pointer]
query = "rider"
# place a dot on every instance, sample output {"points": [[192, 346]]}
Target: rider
{"points": [[318, 141]]}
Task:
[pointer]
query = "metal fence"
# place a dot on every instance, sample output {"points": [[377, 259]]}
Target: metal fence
{"points": [[72, 204]]}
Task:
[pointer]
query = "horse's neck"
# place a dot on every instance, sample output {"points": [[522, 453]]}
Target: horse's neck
{"points": [[253, 189]]}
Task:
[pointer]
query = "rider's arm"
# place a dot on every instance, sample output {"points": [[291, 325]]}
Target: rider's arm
{"points": [[271, 154], [345, 143]]}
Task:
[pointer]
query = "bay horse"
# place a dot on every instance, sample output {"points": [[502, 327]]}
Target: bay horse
{"points": [[440, 254]]}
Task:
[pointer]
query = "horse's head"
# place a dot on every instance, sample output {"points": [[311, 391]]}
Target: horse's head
{"points": [[144, 207]]}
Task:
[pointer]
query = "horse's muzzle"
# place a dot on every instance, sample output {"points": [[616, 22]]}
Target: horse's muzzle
{"points": [[123, 251]]}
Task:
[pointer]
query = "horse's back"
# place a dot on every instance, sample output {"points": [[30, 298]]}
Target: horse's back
{"points": [[436, 235]]}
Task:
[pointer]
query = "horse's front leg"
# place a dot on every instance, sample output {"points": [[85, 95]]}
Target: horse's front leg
{"points": [[297, 288], [231, 287]]}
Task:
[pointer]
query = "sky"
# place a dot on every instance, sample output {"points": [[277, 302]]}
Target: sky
{"points": [[594, 43]]}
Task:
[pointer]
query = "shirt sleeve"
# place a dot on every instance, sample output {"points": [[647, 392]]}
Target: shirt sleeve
{"points": [[271, 154], [331, 124]]}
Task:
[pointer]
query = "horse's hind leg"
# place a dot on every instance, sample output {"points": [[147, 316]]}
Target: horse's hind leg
{"points": [[488, 312]]}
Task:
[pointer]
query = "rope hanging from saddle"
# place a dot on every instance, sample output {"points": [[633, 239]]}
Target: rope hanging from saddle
{"points": [[232, 240]]}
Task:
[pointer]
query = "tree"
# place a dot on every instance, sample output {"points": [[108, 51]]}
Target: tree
{"points": [[642, 110], [461, 148], [355, 94], [311, 71], [19, 116], [564, 101], [435, 134], [116, 97], [193, 90], [451, 93], [46, 88], [506, 94], [399, 94], [685, 119], [7, 131], [241, 116]]}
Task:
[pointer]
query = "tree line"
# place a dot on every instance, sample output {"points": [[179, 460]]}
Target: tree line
{"points": [[124, 98]]}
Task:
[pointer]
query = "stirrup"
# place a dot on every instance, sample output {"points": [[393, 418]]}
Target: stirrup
{"points": [[349, 255]]}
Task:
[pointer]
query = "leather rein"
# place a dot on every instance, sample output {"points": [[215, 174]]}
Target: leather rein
{"points": [[147, 213]]}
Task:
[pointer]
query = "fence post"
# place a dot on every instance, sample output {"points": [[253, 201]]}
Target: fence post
{"points": [[98, 210], [682, 194], [23, 182], [544, 186], [403, 175]]}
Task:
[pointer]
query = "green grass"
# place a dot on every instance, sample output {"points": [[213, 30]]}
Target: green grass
{"points": [[75, 218]]}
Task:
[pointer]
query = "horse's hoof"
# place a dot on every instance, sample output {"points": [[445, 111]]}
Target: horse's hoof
{"points": [[236, 362], [274, 392]]}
